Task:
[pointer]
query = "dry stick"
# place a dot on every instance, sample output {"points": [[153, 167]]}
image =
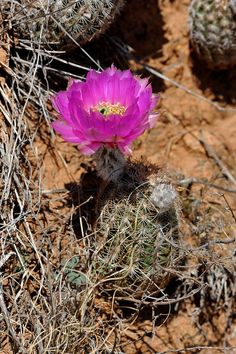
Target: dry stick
{"points": [[5, 258], [18, 12], [77, 44], [211, 153], [197, 348], [225, 242], [6, 318], [4, 308], [184, 88], [191, 180], [48, 54], [229, 207], [161, 303], [17, 138], [61, 72]]}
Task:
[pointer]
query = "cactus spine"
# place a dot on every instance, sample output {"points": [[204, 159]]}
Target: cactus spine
{"points": [[137, 231], [58, 20], [213, 31]]}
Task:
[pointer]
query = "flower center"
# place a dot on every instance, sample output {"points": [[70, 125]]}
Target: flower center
{"points": [[106, 108]]}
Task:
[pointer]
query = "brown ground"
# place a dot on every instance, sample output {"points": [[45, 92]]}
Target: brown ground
{"points": [[196, 126]]}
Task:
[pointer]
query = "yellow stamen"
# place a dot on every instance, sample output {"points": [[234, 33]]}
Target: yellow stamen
{"points": [[106, 108]]}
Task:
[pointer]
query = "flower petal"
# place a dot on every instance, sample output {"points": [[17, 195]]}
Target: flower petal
{"points": [[90, 148], [66, 131], [80, 121], [61, 104]]}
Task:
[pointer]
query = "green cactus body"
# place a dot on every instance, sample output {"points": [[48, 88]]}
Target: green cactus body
{"points": [[213, 31], [52, 21], [137, 234]]}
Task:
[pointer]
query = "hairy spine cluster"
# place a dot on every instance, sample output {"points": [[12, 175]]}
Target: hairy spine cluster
{"points": [[61, 20]]}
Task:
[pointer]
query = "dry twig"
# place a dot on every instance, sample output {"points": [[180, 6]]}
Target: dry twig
{"points": [[211, 153]]}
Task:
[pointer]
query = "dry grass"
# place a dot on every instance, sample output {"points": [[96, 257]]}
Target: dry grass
{"points": [[63, 294], [38, 304]]}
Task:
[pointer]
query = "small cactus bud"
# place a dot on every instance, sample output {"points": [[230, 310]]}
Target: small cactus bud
{"points": [[110, 163], [163, 196]]}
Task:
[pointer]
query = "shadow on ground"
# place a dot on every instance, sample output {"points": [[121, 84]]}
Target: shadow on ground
{"points": [[222, 83], [140, 26], [137, 33], [83, 198]]}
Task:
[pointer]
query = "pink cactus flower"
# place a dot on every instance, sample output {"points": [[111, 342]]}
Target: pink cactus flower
{"points": [[110, 108]]}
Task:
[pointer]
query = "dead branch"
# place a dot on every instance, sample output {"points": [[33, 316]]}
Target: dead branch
{"points": [[211, 153]]}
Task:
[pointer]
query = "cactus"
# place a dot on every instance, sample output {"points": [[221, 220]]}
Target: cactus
{"points": [[213, 32], [52, 21], [137, 232], [110, 163]]}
